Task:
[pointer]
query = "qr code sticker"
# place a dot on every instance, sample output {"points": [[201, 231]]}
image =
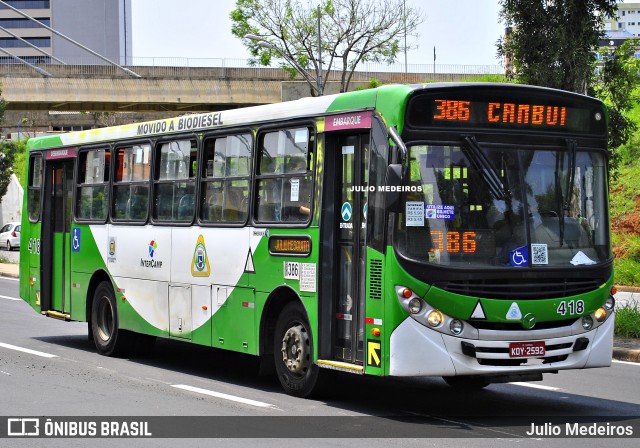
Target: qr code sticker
{"points": [[540, 254]]}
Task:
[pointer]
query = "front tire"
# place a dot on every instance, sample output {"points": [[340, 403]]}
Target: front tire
{"points": [[108, 338], [293, 352]]}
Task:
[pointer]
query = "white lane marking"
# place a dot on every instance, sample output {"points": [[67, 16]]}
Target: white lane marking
{"points": [[629, 363], [9, 298], [27, 350], [536, 386], [223, 396], [10, 278]]}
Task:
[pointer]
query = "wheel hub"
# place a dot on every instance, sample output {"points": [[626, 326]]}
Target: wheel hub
{"points": [[295, 350]]}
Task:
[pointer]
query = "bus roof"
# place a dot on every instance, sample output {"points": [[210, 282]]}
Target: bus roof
{"points": [[388, 100], [302, 108]]}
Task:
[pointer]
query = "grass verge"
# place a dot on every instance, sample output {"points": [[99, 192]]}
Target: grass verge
{"points": [[628, 321]]}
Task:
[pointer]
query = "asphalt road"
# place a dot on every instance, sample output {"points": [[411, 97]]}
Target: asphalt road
{"points": [[66, 377]]}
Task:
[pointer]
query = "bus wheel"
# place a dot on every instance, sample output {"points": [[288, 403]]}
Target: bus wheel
{"points": [[293, 352], [467, 382], [109, 340]]}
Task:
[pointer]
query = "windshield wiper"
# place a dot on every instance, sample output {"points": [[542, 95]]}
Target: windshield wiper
{"points": [[483, 166], [565, 202]]}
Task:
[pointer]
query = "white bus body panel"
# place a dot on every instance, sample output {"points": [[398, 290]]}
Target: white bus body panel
{"points": [[416, 350]]}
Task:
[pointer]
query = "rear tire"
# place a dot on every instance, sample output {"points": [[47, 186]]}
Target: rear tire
{"points": [[293, 352], [467, 382], [108, 338], [9, 247]]}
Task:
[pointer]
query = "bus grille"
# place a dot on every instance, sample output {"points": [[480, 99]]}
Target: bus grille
{"points": [[509, 289], [375, 279]]}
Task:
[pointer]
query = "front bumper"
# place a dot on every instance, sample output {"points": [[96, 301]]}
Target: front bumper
{"points": [[416, 350]]}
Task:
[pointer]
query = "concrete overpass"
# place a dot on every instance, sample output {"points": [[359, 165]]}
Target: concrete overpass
{"points": [[160, 92]]}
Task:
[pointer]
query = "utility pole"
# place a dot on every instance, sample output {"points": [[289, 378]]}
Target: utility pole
{"points": [[319, 79]]}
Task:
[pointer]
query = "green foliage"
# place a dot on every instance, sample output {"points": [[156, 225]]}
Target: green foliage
{"points": [[8, 152], [486, 78], [615, 83], [351, 32], [20, 162], [625, 190], [627, 324], [629, 152], [555, 43], [552, 43], [624, 209]]}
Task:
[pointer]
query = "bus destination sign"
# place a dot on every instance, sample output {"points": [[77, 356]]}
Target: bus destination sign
{"points": [[505, 112]]}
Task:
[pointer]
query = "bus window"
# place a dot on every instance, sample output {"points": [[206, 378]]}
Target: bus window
{"points": [[226, 173], [174, 182], [284, 177], [131, 183], [35, 186], [93, 185]]}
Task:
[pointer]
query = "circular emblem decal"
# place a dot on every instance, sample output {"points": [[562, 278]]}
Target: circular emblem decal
{"points": [[528, 321]]}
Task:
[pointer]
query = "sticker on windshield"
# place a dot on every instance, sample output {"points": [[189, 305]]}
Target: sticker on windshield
{"points": [[519, 257], [414, 211], [439, 211], [539, 254]]}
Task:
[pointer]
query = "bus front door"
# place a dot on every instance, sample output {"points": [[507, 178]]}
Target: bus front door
{"points": [[349, 259], [56, 237]]}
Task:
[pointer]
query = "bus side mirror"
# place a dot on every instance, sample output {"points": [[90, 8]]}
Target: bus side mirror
{"points": [[393, 187]]}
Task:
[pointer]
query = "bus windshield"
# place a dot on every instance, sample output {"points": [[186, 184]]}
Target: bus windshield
{"points": [[473, 205]]}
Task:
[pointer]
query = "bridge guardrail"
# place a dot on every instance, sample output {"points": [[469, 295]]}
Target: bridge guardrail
{"points": [[238, 69]]}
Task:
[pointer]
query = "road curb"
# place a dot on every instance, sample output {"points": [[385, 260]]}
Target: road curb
{"points": [[8, 274], [626, 354]]}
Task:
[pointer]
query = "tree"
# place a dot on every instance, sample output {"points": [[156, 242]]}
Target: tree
{"points": [[351, 32], [615, 82], [7, 155], [553, 42], [8, 151]]}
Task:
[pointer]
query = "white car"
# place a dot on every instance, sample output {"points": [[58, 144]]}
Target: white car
{"points": [[10, 235]]}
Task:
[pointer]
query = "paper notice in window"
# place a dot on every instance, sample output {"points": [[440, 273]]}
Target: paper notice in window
{"points": [[295, 190], [414, 211], [308, 277], [580, 258]]}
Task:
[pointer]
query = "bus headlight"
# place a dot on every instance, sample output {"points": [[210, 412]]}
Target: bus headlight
{"points": [[415, 305], [609, 303], [435, 318], [587, 323], [456, 326]]}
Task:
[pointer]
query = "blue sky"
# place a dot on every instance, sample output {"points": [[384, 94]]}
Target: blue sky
{"points": [[463, 31]]}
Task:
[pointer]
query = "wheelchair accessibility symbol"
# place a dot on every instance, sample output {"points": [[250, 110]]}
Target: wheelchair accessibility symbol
{"points": [[519, 256], [75, 242]]}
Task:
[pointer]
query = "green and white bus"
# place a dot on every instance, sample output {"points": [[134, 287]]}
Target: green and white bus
{"points": [[454, 230]]}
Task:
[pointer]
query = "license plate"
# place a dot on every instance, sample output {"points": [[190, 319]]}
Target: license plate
{"points": [[527, 349]]}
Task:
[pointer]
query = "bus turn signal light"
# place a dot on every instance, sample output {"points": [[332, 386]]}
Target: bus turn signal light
{"points": [[407, 293], [375, 332]]}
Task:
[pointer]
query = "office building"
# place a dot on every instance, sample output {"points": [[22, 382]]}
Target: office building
{"points": [[104, 26]]}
